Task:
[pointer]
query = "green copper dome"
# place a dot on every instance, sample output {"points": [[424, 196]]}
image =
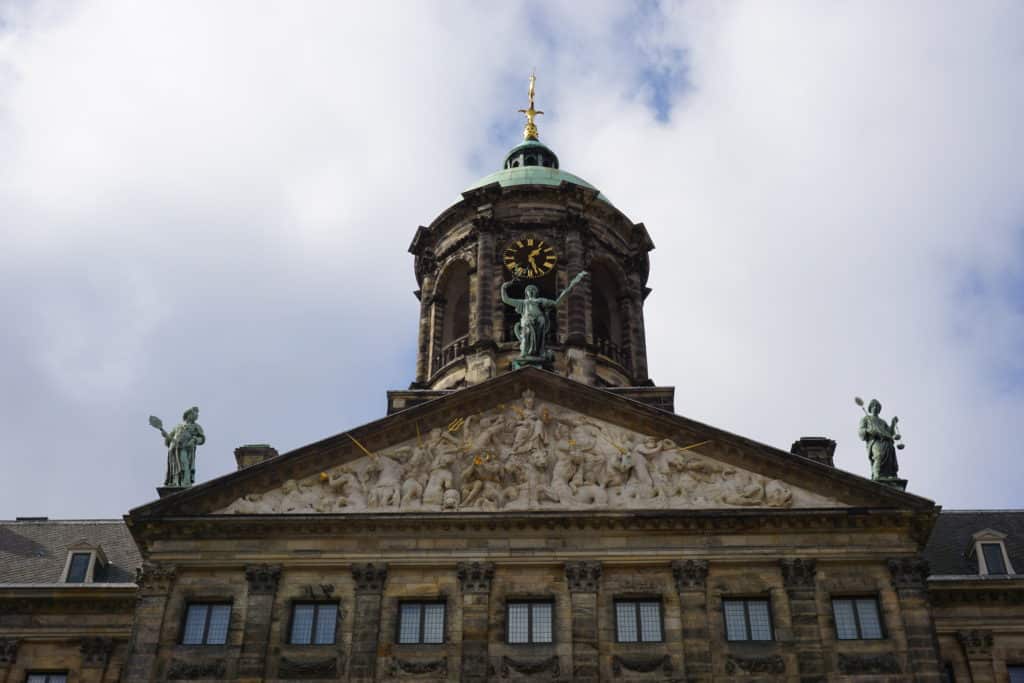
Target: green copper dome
{"points": [[532, 163]]}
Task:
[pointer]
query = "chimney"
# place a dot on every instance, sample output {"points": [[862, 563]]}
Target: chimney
{"points": [[253, 454], [818, 448]]}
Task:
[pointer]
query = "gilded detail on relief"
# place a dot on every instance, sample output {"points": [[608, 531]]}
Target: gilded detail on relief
{"points": [[531, 455]]}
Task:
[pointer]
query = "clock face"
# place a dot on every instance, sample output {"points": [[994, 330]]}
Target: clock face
{"points": [[529, 258]]}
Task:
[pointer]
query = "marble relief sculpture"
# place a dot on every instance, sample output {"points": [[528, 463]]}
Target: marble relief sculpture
{"points": [[528, 456]]}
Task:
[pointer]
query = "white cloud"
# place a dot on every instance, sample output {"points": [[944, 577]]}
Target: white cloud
{"points": [[211, 203]]}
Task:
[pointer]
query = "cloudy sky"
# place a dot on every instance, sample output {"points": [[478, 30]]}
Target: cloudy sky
{"points": [[210, 203]]}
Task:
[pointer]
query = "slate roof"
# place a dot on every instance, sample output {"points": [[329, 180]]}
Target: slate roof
{"points": [[34, 551], [947, 547]]}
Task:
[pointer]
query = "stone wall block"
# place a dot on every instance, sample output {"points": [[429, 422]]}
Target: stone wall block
{"points": [[263, 580], [369, 584]]}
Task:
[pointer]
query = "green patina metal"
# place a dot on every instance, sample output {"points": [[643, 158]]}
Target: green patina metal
{"points": [[534, 175]]}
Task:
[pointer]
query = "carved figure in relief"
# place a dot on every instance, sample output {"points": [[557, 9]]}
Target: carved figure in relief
{"points": [[441, 479], [566, 476], [387, 490], [348, 487], [451, 499], [481, 482], [529, 430], [249, 504]]}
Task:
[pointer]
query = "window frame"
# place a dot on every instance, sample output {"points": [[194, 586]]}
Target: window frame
{"points": [[317, 604], [530, 603], [746, 619], [206, 622], [993, 537], [97, 560], [637, 601], [852, 599], [47, 675], [423, 615]]}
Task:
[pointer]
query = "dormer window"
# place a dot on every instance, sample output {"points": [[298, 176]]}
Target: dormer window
{"points": [[989, 549], [85, 564]]}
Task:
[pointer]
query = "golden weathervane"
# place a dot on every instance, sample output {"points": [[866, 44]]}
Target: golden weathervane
{"points": [[530, 130]]}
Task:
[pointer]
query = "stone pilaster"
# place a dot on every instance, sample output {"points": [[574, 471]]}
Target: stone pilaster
{"points": [[576, 327], [637, 335], [482, 330], [584, 579], [977, 646], [155, 582], [798, 576], [426, 296], [475, 581], [909, 576], [259, 605], [95, 657], [369, 585], [691, 583]]}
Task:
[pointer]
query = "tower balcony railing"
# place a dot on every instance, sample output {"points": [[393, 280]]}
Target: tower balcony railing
{"points": [[614, 352], [451, 351]]}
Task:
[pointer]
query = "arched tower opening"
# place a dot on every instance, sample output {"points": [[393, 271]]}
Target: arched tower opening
{"points": [[452, 321], [607, 320]]}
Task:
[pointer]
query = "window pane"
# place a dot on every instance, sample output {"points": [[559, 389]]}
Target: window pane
{"points": [[433, 623], [36, 678], [79, 566], [57, 678], [302, 624], [220, 615], [846, 624], [650, 622], [993, 558], [1016, 674], [735, 620], [542, 622], [625, 620], [326, 621], [870, 623], [518, 624], [409, 623], [760, 621], [195, 621]]}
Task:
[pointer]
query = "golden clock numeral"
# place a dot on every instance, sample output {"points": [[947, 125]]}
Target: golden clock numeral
{"points": [[519, 244], [549, 249], [529, 242]]}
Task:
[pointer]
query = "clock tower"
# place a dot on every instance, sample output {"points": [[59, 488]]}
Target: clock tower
{"points": [[531, 223]]}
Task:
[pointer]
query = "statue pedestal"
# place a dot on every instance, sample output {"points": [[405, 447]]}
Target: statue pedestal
{"points": [[894, 482], [533, 361], [164, 491]]}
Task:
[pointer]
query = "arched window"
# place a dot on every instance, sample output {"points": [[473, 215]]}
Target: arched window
{"points": [[452, 319], [605, 317]]}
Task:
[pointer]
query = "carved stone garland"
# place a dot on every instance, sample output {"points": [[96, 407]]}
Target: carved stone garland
{"points": [[153, 578], [908, 572], [799, 573], [755, 665], [550, 665], [976, 643], [865, 664], [318, 668], [263, 578], [96, 652], [690, 574], [369, 577], [183, 670], [401, 666], [584, 576], [475, 577], [643, 665], [8, 651]]}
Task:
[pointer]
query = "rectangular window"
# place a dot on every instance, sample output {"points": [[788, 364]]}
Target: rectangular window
{"points": [[994, 558], [78, 567], [314, 623], [530, 622], [748, 619], [1016, 674], [857, 619], [638, 621], [47, 677], [206, 624], [421, 622]]}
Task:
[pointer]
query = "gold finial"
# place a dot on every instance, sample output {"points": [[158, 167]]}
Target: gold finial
{"points": [[530, 129]]}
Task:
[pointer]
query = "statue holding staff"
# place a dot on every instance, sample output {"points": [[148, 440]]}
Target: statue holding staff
{"points": [[181, 445], [881, 439], [533, 325]]}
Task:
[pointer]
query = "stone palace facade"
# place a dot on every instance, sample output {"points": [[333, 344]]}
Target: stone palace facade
{"points": [[549, 519]]}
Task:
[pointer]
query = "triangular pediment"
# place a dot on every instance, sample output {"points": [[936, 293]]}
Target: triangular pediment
{"points": [[531, 441]]}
